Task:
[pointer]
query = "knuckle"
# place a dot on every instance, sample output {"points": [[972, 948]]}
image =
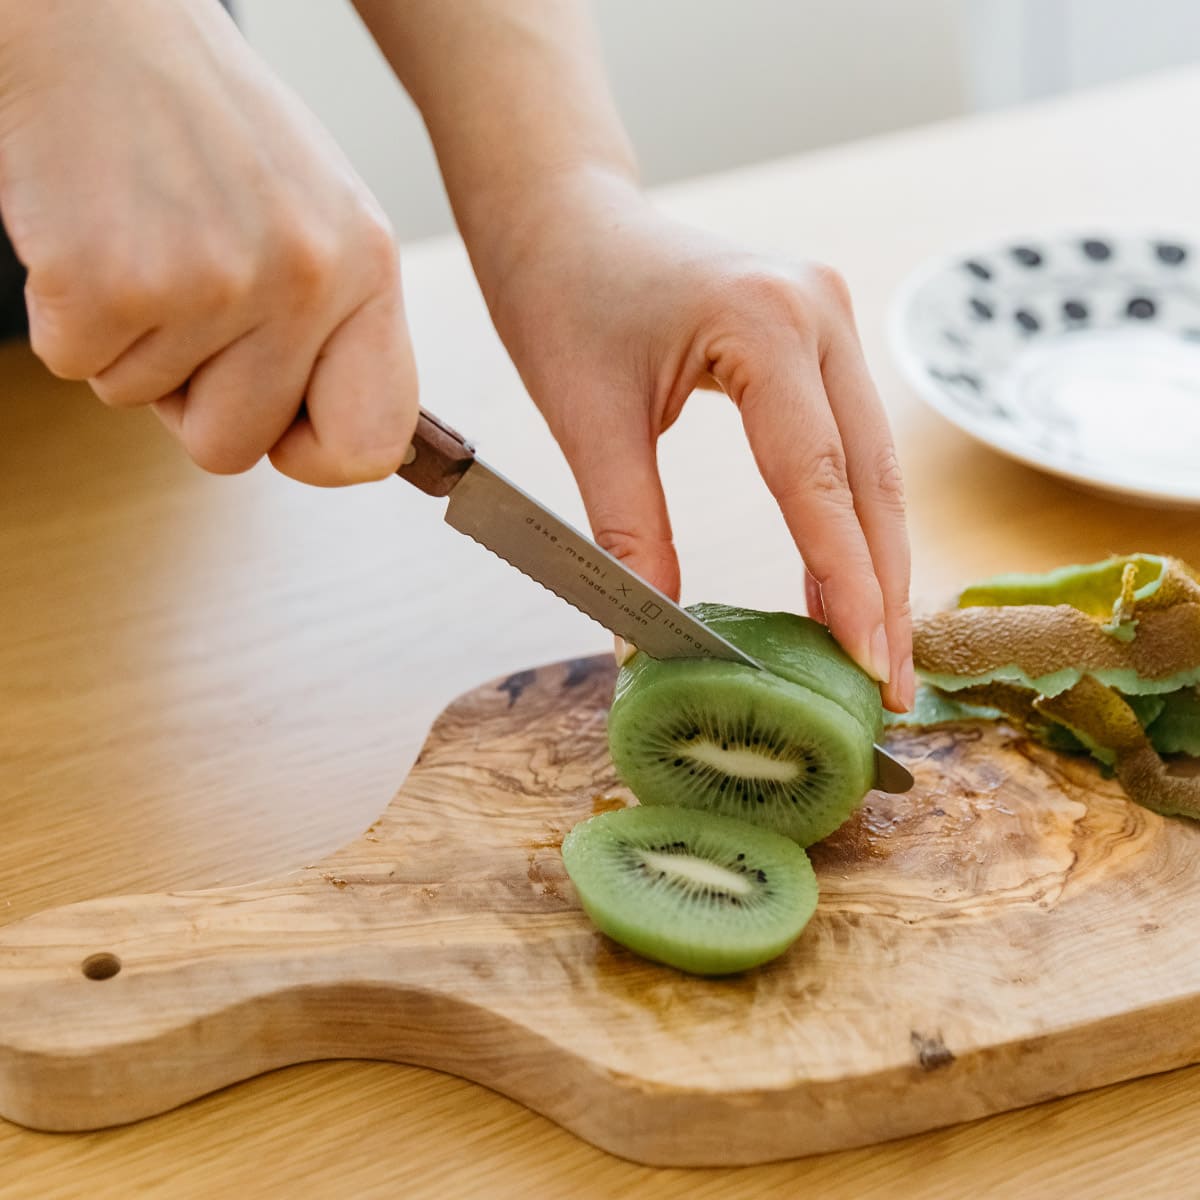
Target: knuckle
{"points": [[620, 543], [112, 274], [57, 348], [649, 555], [123, 282], [738, 380], [888, 481], [831, 284], [380, 263], [378, 237], [827, 475], [65, 315], [309, 260], [773, 295], [315, 253], [653, 557], [62, 345], [221, 281]]}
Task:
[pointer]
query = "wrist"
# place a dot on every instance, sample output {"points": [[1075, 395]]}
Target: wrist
{"points": [[562, 204]]}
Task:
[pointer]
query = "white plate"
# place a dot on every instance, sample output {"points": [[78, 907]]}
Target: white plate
{"points": [[1076, 353]]}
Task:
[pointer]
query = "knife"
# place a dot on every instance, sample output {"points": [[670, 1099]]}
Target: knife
{"points": [[504, 519]]}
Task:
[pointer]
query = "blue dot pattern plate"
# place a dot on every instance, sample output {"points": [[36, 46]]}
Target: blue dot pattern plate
{"points": [[1078, 354]]}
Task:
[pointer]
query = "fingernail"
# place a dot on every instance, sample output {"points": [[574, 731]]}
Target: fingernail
{"points": [[879, 666], [906, 685], [623, 651]]}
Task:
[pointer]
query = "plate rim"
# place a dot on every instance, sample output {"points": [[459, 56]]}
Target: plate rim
{"points": [[913, 366]]}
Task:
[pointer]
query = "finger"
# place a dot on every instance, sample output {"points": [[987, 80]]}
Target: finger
{"points": [[78, 339], [361, 402], [169, 409], [163, 360], [616, 468], [238, 404], [799, 452], [875, 481]]}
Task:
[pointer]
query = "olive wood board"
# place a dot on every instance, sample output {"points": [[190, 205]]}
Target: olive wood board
{"points": [[1011, 930]]}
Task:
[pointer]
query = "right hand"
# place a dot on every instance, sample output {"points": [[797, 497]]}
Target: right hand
{"points": [[619, 314], [196, 241]]}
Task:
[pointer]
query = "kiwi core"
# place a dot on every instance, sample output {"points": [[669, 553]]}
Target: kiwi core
{"points": [[743, 763], [687, 868]]}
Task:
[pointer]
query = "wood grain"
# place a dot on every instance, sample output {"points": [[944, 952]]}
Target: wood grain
{"points": [[1003, 934], [208, 681]]}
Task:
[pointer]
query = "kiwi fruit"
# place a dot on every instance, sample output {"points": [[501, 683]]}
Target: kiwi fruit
{"points": [[801, 650], [788, 747], [697, 891]]}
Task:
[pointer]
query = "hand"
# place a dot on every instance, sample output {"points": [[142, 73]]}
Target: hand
{"points": [[614, 315], [196, 242]]}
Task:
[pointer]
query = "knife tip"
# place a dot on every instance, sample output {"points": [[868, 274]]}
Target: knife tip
{"points": [[891, 775]]}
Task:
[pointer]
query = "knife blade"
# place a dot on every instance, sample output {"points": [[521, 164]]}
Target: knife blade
{"points": [[506, 520]]}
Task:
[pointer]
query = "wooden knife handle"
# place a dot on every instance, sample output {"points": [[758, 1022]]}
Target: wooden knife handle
{"points": [[437, 458]]}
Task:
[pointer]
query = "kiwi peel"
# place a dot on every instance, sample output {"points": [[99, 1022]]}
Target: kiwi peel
{"points": [[1102, 720], [1113, 590], [789, 747], [1048, 648], [691, 889], [1102, 658]]}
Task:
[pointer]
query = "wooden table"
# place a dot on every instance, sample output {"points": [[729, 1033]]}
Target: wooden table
{"points": [[207, 681]]}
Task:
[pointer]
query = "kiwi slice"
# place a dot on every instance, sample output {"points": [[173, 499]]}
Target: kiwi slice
{"points": [[700, 892], [788, 748]]}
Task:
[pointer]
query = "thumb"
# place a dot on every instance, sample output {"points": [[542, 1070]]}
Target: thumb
{"points": [[617, 474]]}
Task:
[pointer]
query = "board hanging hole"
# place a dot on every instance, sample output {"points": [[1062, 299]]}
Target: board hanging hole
{"points": [[101, 966]]}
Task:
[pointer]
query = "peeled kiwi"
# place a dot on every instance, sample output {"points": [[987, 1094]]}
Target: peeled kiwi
{"points": [[788, 747], [700, 892]]}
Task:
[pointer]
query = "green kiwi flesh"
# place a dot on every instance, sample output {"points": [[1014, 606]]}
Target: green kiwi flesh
{"points": [[1175, 728], [700, 892], [789, 748], [802, 650]]}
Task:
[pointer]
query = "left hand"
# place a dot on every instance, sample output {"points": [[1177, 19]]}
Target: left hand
{"points": [[614, 315]]}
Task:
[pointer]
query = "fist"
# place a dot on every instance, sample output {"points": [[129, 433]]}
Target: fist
{"points": [[196, 242]]}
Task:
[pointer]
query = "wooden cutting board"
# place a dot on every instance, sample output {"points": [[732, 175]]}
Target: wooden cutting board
{"points": [[1011, 930]]}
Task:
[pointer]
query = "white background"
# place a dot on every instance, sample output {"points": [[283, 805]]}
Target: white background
{"points": [[709, 84]]}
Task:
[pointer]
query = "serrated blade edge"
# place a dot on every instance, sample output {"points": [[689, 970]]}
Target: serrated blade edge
{"points": [[499, 515]]}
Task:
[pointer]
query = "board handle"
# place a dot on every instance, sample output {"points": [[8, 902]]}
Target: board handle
{"points": [[117, 1009]]}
